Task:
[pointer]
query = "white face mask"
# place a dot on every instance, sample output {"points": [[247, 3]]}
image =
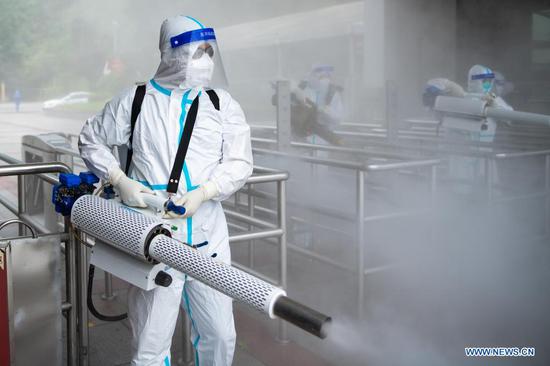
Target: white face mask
{"points": [[199, 71]]}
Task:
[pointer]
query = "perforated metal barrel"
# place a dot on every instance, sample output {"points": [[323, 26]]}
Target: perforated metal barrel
{"points": [[115, 224], [226, 279]]}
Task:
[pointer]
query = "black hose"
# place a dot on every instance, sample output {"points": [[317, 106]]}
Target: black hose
{"points": [[90, 302]]}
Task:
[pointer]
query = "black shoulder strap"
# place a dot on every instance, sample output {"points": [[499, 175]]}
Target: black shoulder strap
{"points": [[136, 108], [214, 98], [175, 175], [177, 168]]}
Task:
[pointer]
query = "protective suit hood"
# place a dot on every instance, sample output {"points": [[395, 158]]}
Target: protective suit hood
{"points": [[182, 64], [480, 79]]}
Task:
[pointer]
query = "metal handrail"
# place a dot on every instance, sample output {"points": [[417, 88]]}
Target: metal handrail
{"points": [[404, 165], [309, 159], [260, 234], [521, 154], [63, 168], [35, 168], [379, 140], [72, 263], [17, 221], [266, 178], [352, 165], [266, 229], [376, 154]]}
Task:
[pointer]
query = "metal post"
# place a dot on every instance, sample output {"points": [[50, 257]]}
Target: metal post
{"points": [[187, 348], [547, 191], [360, 242], [81, 268], [433, 187], [489, 181], [251, 202], [108, 293], [21, 207], [70, 289], [491, 206], [283, 115], [433, 202], [392, 115], [281, 207]]}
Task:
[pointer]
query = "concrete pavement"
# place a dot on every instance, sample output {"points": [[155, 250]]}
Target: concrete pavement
{"points": [[30, 120]]}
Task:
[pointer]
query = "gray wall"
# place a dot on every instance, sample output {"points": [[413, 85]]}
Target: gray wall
{"points": [[498, 33], [420, 45]]}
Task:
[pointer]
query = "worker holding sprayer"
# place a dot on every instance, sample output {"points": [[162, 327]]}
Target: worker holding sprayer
{"points": [[184, 129], [460, 130]]}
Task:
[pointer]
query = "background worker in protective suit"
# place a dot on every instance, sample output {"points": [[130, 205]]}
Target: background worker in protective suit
{"points": [[481, 83], [489, 85], [464, 130], [316, 108], [218, 163]]}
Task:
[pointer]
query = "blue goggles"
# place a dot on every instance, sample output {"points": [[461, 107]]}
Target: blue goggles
{"points": [[204, 34], [488, 75]]}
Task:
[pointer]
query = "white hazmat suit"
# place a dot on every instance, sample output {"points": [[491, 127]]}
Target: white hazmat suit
{"points": [[326, 95], [218, 161]]}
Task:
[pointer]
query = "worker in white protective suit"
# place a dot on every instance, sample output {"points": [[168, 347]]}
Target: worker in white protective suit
{"points": [[218, 163], [486, 84], [316, 107], [327, 96], [458, 129], [481, 82]]}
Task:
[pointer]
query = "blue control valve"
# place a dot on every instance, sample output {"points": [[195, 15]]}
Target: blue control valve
{"points": [[162, 204], [171, 206], [70, 188]]}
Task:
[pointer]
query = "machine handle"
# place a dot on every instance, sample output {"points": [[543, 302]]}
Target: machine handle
{"points": [[171, 206], [162, 204]]}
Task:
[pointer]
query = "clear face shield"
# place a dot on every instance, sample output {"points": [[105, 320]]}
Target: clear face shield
{"points": [[195, 58], [483, 82]]}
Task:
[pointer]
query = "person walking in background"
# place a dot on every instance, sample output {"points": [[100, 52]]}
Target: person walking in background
{"points": [[17, 99]]}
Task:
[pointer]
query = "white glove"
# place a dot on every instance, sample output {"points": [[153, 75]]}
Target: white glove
{"points": [[128, 189], [324, 110], [193, 200], [490, 98], [299, 94]]}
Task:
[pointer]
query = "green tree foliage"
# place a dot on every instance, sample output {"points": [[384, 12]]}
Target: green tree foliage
{"points": [[47, 48]]}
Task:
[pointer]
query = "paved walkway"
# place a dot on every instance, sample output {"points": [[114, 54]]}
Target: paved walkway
{"points": [[30, 120]]}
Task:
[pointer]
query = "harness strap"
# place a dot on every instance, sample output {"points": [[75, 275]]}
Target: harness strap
{"points": [[136, 108], [182, 147]]}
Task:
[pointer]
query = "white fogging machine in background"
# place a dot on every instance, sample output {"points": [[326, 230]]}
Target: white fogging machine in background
{"points": [[479, 109], [137, 248]]}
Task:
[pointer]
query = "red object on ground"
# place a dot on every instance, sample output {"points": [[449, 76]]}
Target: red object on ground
{"points": [[4, 320]]}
